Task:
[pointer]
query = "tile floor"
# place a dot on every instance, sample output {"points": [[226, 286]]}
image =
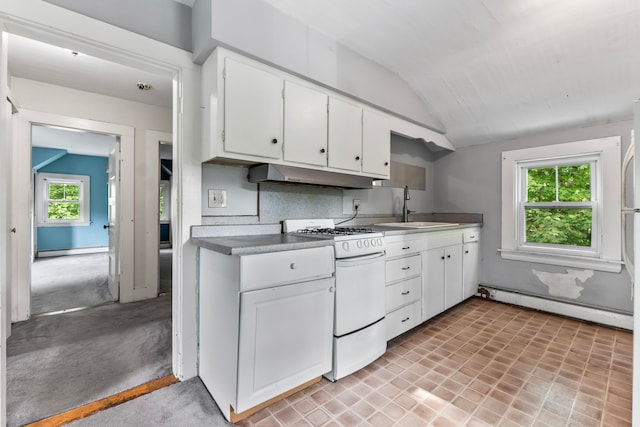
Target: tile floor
{"points": [[482, 363]]}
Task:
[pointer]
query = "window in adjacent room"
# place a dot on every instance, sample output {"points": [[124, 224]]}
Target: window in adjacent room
{"points": [[62, 199], [561, 204]]}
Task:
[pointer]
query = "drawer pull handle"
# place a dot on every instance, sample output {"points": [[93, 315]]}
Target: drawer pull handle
{"points": [[406, 247], [293, 266], [406, 268], [472, 237], [405, 293], [405, 319]]}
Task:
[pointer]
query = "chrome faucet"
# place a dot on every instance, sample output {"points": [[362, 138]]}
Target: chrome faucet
{"points": [[405, 211]]}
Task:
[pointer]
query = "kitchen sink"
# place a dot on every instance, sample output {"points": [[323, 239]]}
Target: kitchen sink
{"points": [[417, 224]]}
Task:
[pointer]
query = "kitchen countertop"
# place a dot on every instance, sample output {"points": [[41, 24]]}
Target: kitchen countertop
{"points": [[258, 244], [263, 243]]}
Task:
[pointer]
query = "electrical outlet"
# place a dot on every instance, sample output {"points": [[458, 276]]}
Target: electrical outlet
{"points": [[356, 204], [217, 198]]}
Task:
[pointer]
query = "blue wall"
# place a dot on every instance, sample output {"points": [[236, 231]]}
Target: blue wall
{"points": [[93, 235]]}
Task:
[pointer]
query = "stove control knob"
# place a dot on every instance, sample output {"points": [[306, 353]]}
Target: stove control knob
{"points": [[379, 241], [373, 242], [345, 246], [359, 244], [366, 243]]}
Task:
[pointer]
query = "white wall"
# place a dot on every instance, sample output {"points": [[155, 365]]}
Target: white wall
{"points": [[69, 102], [469, 180]]}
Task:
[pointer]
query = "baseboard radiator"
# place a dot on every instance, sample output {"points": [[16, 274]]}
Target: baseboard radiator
{"points": [[591, 314]]}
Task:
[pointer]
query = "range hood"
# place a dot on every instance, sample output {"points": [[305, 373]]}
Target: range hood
{"points": [[279, 173]]}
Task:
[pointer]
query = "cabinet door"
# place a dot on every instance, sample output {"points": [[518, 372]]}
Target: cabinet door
{"points": [[305, 125], [470, 269], [376, 144], [252, 111], [433, 283], [452, 276], [286, 336], [345, 135]]}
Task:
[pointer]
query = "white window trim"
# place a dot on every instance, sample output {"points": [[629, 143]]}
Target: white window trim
{"points": [[41, 200], [607, 231]]}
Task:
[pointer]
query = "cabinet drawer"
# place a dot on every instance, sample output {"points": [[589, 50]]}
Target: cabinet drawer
{"points": [[401, 268], [472, 235], [403, 293], [404, 247], [402, 320], [279, 268]]}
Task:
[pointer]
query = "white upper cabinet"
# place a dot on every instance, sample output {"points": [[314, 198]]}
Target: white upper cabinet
{"points": [[252, 111], [305, 124], [345, 135], [376, 143]]}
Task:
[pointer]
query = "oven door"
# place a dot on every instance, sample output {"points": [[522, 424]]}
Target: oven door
{"points": [[360, 292]]}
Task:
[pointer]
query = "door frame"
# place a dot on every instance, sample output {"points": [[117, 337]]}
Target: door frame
{"points": [[53, 24], [21, 295]]}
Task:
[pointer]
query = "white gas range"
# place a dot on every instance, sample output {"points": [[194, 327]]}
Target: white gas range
{"points": [[359, 330]]}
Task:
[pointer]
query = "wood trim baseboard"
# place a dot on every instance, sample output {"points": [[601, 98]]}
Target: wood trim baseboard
{"points": [[234, 418], [106, 403]]}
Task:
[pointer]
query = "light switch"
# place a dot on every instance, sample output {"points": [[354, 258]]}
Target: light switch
{"points": [[217, 198]]}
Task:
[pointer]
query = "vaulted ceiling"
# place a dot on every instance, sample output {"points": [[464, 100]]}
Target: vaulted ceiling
{"points": [[496, 69]]}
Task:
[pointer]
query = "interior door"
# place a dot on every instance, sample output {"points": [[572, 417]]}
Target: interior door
{"points": [[112, 226], [636, 283]]}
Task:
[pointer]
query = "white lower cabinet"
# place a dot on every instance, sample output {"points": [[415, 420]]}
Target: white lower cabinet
{"points": [[284, 332], [470, 263], [265, 324], [403, 274]]}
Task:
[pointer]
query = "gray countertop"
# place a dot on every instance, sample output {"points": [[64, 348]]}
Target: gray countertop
{"points": [[262, 243], [257, 244]]}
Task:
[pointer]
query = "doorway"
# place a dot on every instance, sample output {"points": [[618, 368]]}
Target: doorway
{"points": [[165, 214], [72, 219]]}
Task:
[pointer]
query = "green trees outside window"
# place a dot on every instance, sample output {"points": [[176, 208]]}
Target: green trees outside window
{"points": [[63, 201], [557, 209]]}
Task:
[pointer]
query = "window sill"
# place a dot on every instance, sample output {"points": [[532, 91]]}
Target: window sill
{"points": [[612, 266]]}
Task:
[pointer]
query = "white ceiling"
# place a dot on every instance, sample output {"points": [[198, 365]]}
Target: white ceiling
{"points": [[75, 142], [34, 60], [496, 69]]}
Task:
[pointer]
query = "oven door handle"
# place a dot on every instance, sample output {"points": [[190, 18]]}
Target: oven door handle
{"points": [[360, 259]]}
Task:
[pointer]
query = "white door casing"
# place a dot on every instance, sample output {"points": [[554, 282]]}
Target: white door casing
{"points": [[56, 25], [5, 202], [125, 218]]}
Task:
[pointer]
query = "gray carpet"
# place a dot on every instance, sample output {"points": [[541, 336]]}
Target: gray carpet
{"points": [[59, 283], [186, 404], [57, 363]]}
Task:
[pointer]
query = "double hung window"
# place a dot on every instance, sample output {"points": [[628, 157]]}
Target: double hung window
{"points": [[62, 199], [561, 204]]}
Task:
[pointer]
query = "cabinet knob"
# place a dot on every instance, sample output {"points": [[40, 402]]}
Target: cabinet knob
{"points": [[386, 163], [357, 157], [322, 150], [274, 141], [442, 257], [448, 256], [466, 252], [293, 266]]}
